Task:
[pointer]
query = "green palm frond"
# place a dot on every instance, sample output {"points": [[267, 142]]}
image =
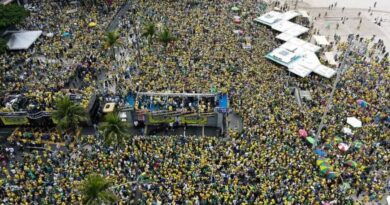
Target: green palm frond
{"points": [[166, 37], [150, 30], [111, 39], [68, 114], [95, 190], [115, 131]]}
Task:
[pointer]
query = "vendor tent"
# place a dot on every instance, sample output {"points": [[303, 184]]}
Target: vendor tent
{"points": [[23, 40], [330, 58], [5, 2], [347, 131], [321, 40], [354, 122]]}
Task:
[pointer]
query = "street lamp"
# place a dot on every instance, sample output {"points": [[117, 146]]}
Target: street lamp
{"points": [[330, 100]]}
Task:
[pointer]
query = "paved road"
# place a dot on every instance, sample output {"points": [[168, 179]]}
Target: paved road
{"points": [[359, 4], [352, 7], [114, 23]]}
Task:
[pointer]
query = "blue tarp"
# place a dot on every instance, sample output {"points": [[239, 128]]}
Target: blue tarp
{"points": [[131, 100], [223, 101], [320, 152]]}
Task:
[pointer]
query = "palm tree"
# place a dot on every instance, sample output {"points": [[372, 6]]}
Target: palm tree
{"points": [[68, 114], [115, 131], [95, 190], [3, 45], [110, 41], [150, 30], [166, 37]]}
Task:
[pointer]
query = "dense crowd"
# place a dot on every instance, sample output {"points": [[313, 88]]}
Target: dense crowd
{"points": [[68, 55], [268, 163]]}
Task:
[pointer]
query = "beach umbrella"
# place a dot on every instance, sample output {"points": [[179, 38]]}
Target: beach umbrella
{"points": [[347, 131], [50, 35], [331, 175], [351, 163], [237, 19], [239, 32], [362, 103], [65, 34], [325, 170], [320, 152], [92, 24], [357, 144], [345, 186], [235, 8], [343, 147], [354, 122], [338, 139], [302, 133], [322, 160], [311, 140], [324, 167]]}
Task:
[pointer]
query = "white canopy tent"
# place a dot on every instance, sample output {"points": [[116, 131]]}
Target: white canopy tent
{"points": [[321, 40], [283, 26], [284, 37], [5, 2], [23, 40], [330, 58], [347, 131], [297, 55], [304, 14], [354, 122], [290, 15], [269, 18]]}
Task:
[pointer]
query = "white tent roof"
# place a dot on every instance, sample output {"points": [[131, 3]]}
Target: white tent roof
{"points": [[297, 55], [283, 26], [283, 55], [354, 122], [309, 61], [284, 37], [23, 40], [297, 30], [300, 71], [304, 14], [269, 18], [5, 2], [348, 131], [290, 15], [324, 71], [330, 58], [321, 40]]}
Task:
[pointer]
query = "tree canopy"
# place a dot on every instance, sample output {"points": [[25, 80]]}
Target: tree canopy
{"points": [[12, 14], [68, 114], [96, 190], [3, 45]]}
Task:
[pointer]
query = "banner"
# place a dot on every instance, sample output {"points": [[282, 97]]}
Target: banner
{"points": [[193, 119], [14, 120], [159, 119]]}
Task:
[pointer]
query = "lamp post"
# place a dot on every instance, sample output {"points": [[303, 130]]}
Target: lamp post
{"points": [[330, 100]]}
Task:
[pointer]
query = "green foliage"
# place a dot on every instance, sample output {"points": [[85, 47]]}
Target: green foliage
{"points": [[150, 30], [111, 39], [166, 37], [3, 45], [68, 114], [95, 190], [115, 131], [12, 14]]}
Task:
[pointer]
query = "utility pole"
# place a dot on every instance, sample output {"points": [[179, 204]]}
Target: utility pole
{"points": [[330, 100]]}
